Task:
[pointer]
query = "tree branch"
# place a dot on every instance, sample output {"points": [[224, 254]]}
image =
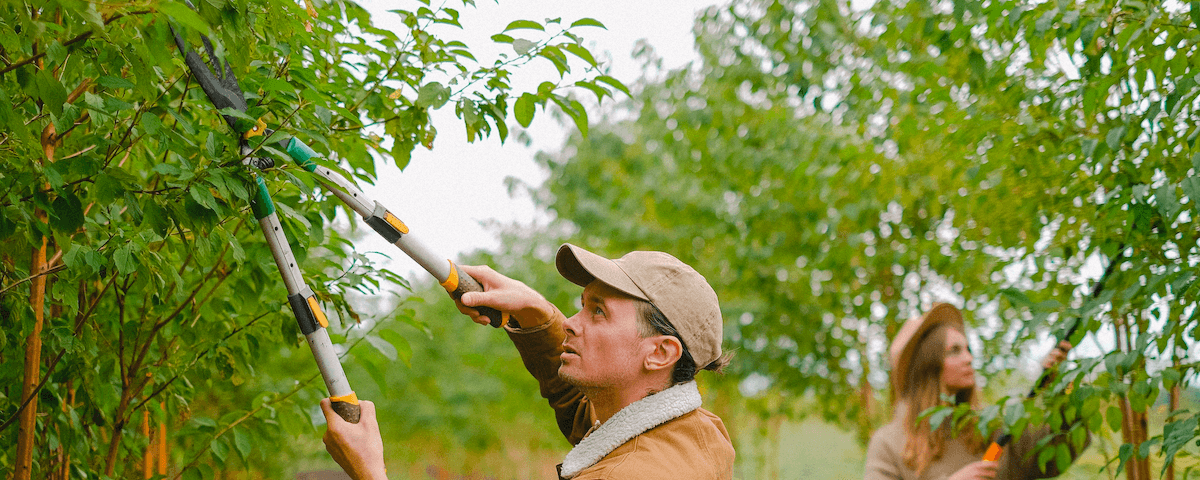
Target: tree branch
{"points": [[76, 39]]}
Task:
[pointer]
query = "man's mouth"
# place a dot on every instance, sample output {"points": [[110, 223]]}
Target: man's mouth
{"points": [[568, 349]]}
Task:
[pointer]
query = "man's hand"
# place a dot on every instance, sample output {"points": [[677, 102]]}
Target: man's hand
{"points": [[357, 447], [1056, 356], [506, 295], [981, 470]]}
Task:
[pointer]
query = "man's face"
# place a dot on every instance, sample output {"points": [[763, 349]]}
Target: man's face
{"points": [[602, 346]]}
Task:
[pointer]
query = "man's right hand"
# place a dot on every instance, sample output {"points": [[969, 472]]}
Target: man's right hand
{"points": [[506, 295], [981, 470]]}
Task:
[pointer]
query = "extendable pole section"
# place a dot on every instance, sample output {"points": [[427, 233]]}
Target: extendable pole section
{"points": [[304, 305], [453, 279]]}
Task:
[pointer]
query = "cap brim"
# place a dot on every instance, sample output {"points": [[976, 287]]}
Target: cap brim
{"points": [[582, 267]]}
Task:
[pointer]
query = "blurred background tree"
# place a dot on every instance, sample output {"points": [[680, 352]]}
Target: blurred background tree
{"points": [[835, 168]]}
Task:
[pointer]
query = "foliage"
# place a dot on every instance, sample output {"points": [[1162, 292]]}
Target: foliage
{"points": [[162, 296], [833, 171]]}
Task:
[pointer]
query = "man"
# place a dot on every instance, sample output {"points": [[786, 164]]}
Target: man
{"points": [[618, 374]]}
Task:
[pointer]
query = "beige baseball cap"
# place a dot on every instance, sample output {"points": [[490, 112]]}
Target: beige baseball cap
{"points": [[679, 291]]}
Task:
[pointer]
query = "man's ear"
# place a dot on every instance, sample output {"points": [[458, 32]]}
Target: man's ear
{"points": [[667, 351]]}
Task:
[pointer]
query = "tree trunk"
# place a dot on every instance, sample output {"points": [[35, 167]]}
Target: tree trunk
{"points": [[1174, 405], [33, 363], [148, 457], [1133, 423], [865, 399], [162, 440]]}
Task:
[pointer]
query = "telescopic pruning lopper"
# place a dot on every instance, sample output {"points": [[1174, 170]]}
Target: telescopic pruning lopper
{"points": [[997, 447], [221, 87]]}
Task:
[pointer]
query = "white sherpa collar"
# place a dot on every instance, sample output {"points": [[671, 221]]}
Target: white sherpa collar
{"points": [[631, 421]]}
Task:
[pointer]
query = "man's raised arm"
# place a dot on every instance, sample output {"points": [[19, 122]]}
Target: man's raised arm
{"points": [[538, 335]]}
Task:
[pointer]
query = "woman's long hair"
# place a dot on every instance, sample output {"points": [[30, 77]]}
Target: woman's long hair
{"points": [[919, 388]]}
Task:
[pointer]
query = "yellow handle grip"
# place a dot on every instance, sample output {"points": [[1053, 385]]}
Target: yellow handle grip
{"points": [[347, 407]]}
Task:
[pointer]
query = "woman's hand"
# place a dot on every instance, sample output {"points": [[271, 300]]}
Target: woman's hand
{"points": [[981, 470], [1056, 356]]}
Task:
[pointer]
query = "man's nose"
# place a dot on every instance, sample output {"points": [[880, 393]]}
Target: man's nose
{"points": [[570, 326]]}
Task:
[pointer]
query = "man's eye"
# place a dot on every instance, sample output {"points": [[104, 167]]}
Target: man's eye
{"points": [[598, 311]]}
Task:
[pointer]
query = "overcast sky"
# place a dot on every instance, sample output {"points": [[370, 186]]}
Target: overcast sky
{"points": [[447, 194]]}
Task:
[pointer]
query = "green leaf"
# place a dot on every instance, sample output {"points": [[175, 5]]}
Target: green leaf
{"points": [[1168, 204], [587, 22], [124, 260], [599, 91], [1062, 457], [502, 38], [525, 108], [203, 197], [241, 441], [180, 12], [384, 348], [219, 449], [323, 114], [7, 225], [1115, 138], [433, 95], [613, 82], [938, 417], [108, 81], [580, 52], [403, 348], [523, 46], [524, 24], [52, 92], [55, 53], [66, 214]]}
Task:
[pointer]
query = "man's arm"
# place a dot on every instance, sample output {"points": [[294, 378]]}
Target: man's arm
{"points": [[538, 339]]}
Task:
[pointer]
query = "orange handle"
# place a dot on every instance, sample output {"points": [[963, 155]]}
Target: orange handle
{"points": [[993, 452]]}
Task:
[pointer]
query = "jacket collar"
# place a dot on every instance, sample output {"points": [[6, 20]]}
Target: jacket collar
{"points": [[631, 421]]}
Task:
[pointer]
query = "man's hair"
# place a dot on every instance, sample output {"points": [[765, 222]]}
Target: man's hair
{"points": [[651, 321]]}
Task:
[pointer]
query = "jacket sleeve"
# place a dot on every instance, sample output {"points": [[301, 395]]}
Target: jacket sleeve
{"points": [[540, 348], [1021, 458], [883, 461]]}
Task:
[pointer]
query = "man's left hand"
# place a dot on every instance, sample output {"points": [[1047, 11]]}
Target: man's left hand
{"points": [[357, 447]]}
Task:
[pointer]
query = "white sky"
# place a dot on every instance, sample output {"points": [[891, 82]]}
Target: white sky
{"points": [[445, 195]]}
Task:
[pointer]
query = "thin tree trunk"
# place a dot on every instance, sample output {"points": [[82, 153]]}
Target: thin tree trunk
{"points": [[148, 456], [1133, 423], [162, 440], [865, 398], [1174, 405], [27, 425], [33, 361]]}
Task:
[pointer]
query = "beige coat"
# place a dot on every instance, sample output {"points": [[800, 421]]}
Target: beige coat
{"points": [[671, 437], [885, 457]]}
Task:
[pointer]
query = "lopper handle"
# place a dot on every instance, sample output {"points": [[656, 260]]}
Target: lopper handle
{"points": [[350, 412], [459, 283], [996, 448]]}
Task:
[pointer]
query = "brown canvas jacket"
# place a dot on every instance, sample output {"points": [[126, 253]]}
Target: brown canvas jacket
{"points": [[885, 457], [694, 445]]}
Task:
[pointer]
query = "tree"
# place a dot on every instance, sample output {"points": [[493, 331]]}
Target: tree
{"points": [[153, 297], [834, 170]]}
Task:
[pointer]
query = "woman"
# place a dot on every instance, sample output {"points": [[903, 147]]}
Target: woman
{"points": [[930, 358]]}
